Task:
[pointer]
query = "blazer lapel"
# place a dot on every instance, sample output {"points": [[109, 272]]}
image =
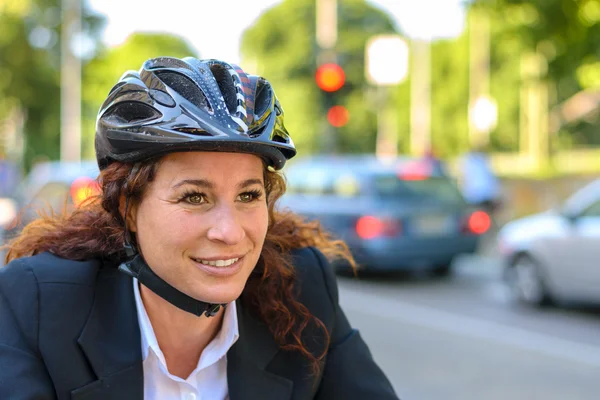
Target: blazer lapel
{"points": [[111, 341], [247, 360]]}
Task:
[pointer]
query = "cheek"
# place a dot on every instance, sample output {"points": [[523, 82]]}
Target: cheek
{"points": [[257, 223], [162, 227]]}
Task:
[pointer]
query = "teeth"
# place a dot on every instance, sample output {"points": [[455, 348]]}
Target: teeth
{"points": [[218, 263]]}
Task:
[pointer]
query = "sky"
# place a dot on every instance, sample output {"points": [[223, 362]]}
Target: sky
{"points": [[214, 27]]}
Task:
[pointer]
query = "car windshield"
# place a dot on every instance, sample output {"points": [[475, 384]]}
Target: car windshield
{"points": [[418, 189]]}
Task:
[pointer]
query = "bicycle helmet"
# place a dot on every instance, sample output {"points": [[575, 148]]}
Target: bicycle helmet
{"points": [[190, 104], [187, 105]]}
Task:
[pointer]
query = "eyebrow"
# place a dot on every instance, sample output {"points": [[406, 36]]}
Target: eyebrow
{"points": [[209, 185]]}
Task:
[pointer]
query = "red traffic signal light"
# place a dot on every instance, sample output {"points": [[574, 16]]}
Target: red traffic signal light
{"points": [[330, 77], [338, 116]]}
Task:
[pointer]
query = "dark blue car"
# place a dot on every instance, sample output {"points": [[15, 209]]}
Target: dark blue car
{"points": [[403, 214]]}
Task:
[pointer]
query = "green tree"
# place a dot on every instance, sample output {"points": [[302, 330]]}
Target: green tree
{"points": [[450, 90], [30, 66], [101, 73], [566, 33], [449, 97], [281, 47], [287, 57]]}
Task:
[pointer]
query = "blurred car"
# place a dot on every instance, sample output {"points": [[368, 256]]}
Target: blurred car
{"points": [[403, 214], [554, 256], [52, 187]]}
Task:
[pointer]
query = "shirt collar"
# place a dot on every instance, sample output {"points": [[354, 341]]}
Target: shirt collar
{"points": [[217, 348]]}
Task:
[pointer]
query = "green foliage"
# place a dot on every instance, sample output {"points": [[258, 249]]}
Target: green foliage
{"points": [[567, 33], [505, 85], [101, 73], [450, 93], [449, 97], [288, 57], [29, 66], [281, 47]]}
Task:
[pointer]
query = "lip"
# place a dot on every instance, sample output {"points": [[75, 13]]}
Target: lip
{"points": [[219, 257], [222, 272]]}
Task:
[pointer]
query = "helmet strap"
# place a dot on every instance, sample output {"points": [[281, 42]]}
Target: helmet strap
{"points": [[137, 268], [130, 250]]}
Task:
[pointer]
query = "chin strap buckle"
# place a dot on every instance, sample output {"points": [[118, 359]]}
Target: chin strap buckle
{"points": [[212, 310]]}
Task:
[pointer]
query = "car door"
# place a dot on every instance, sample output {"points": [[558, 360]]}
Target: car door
{"points": [[586, 251], [571, 257]]}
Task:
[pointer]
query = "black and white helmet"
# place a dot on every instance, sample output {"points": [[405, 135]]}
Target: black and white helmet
{"points": [[188, 104]]}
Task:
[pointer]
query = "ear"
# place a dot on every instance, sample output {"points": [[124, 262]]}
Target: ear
{"points": [[131, 213]]}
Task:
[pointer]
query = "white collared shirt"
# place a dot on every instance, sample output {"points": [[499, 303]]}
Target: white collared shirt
{"points": [[207, 382]]}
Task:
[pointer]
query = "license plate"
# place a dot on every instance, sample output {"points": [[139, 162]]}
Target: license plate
{"points": [[432, 225]]}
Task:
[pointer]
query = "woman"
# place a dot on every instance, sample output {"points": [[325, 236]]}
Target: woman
{"points": [[181, 281]]}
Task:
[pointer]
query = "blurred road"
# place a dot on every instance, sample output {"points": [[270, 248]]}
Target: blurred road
{"points": [[461, 338]]}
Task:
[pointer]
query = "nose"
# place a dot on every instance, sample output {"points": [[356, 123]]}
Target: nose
{"points": [[225, 227]]}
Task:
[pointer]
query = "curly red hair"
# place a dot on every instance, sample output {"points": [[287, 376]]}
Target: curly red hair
{"points": [[96, 230]]}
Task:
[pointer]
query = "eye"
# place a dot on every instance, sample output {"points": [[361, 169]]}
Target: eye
{"points": [[250, 196], [194, 198]]}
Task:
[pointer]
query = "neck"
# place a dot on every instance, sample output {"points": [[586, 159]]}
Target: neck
{"points": [[181, 336]]}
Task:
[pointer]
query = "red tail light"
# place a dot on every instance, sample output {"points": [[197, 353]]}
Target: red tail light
{"points": [[369, 227], [478, 223], [415, 171], [83, 188]]}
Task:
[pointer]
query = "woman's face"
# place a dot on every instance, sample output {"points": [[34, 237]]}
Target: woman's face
{"points": [[202, 222]]}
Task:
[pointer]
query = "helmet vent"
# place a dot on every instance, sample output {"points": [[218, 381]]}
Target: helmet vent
{"points": [[131, 111], [262, 100], [193, 131], [279, 139], [226, 85], [186, 88], [257, 132]]}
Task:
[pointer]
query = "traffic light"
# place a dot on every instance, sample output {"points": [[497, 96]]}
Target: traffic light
{"points": [[330, 78], [338, 116]]}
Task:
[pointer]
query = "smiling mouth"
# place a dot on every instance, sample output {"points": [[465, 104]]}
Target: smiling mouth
{"points": [[217, 263]]}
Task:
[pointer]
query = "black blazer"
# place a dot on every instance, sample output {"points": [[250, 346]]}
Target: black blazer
{"points": [[69, 330]]}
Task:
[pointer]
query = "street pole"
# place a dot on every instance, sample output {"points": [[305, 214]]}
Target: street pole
{"points": [[327, 24], [386, 65], [479, 69], [387, 126], [326, 36], [420, 94], [70, 83], [534, 118]]}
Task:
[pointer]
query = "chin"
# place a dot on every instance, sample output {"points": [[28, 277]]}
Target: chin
{"points": [[223, 295]]}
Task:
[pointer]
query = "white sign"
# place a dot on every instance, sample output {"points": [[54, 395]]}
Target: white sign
{"points": [[484, 114], [386, 60]]}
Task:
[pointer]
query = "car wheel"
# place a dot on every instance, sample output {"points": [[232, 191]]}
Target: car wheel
{"points": [[527, 283]]}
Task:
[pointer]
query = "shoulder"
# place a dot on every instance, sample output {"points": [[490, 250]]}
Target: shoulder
{"points": [[27, 283], [49, 268], [42, 287], [311, 266], [316, 282]]}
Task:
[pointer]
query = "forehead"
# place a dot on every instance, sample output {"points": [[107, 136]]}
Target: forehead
{"points": [[210, 166]]}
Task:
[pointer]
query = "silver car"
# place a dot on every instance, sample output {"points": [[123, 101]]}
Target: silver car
{"points": [[554, 256]]}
